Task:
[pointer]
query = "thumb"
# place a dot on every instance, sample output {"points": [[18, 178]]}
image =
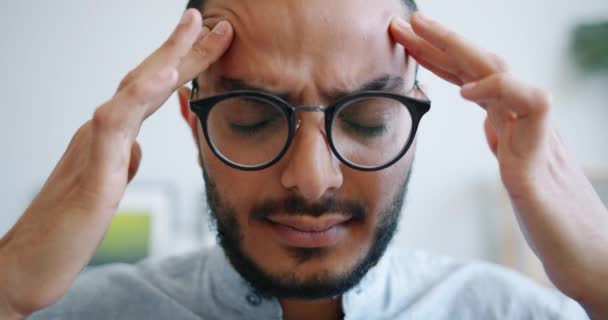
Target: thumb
{"points": [[134, 160]]}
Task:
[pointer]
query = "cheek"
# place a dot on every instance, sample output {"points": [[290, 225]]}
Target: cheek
{"points": [[232, 189], [230, 182], [239, 189], [379, 189]]}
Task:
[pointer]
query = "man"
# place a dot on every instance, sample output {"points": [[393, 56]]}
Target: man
{"points": [[305, 114]]}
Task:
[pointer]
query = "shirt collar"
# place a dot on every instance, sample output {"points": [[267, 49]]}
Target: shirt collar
{"points": [[230, 290]]}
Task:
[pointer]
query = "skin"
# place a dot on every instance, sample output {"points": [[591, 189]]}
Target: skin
{"points": [[560, 214], [308, 62], [57, 235]]}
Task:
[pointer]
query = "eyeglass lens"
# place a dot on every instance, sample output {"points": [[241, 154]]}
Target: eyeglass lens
{"points": [[371, 132], [367, 132]]}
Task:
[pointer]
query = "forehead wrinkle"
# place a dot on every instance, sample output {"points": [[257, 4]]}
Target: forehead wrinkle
{"points": [[261, 24], [268, 57], [385, 82], [310, 48], [302, 30]]}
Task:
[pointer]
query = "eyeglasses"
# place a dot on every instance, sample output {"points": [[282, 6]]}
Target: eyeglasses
{"points": [[251, 130]]}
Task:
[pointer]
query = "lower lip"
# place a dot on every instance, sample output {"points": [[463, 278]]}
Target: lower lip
{"points": [[309, 239]]}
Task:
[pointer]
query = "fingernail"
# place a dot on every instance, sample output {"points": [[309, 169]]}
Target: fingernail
{"points": [[205, 31], [401, 24], [221, 28], [469, 86], [186, 18]]}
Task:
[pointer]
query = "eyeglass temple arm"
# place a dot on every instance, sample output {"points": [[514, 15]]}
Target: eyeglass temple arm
{"points": [[194, 89], [417, 85]]}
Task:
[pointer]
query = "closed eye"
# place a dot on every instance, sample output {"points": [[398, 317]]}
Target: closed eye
{"points": [[364, 130]]}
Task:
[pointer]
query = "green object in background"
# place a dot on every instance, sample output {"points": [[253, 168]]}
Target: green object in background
{"points": [[127, 239], [590, 46]]}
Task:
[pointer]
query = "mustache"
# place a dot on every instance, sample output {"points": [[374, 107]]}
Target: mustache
{"points": [[294, 205]]}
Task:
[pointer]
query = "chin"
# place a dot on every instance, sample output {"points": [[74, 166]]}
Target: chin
{"points": [[305, 273]]}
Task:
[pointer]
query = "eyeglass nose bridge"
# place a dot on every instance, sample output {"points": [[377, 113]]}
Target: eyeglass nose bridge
{"points": [[307, 109]]}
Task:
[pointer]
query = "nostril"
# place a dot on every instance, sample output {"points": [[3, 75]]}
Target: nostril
{"points": [[310, 168]]}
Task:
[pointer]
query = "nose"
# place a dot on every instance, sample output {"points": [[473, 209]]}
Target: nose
{"points": [[312, 170]]}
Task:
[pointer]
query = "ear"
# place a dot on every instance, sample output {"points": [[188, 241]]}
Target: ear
{"points": [[183, 94]]}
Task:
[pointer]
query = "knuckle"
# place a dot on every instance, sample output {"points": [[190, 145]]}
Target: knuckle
{"points": [[500, 63], [461, 74], [200, 51], [128, 79], [542, 99], [501, 85], [136, 91], [502, 81], [102, 119]]}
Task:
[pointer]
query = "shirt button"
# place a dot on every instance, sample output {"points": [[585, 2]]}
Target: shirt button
{"points": [[254, 299]]}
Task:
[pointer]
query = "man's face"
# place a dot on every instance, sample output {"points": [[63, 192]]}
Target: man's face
{"points": [[310, 51]]}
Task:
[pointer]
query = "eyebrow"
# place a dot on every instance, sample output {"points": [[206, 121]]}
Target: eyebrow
{"points": [[385, 82]]}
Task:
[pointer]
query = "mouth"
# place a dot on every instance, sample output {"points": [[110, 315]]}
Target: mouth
{"points": [[309, 232]]}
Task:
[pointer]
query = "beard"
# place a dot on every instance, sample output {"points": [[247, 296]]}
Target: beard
{"points": [[317, 286]]}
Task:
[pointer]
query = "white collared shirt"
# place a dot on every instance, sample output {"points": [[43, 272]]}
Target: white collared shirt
{"points": [[203, 285]]}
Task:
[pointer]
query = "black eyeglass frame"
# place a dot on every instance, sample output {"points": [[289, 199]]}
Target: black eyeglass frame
{"points": [[202, 108]]}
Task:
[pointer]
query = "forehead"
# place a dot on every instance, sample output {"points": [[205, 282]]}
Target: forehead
{"points": [[307, 45]]}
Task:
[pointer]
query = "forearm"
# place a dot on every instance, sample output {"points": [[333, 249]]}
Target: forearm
{"points": [[6, 309]]}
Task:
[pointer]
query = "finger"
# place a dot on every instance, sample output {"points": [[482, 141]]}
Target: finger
{"points": [[211, 46], [491, 137], [427, 55], [519, 98], [172, 50], [499, 117], [117, 122], [440, 73], [134, 161], [472, 59]]}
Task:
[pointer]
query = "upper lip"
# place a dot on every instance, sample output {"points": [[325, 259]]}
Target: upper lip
{"points": [[310, 224]]}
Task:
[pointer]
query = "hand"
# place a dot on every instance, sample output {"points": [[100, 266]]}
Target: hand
{"points": [[560, 214], [57, 235]]}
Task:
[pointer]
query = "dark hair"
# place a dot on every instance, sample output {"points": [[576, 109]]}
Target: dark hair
{"points": [[409, 4]]}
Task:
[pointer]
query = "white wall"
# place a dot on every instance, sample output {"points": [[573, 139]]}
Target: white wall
{"points": [[453, 207], [60, 59]]}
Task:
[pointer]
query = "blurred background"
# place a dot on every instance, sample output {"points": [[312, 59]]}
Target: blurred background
{"points": [[60, 59]]}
